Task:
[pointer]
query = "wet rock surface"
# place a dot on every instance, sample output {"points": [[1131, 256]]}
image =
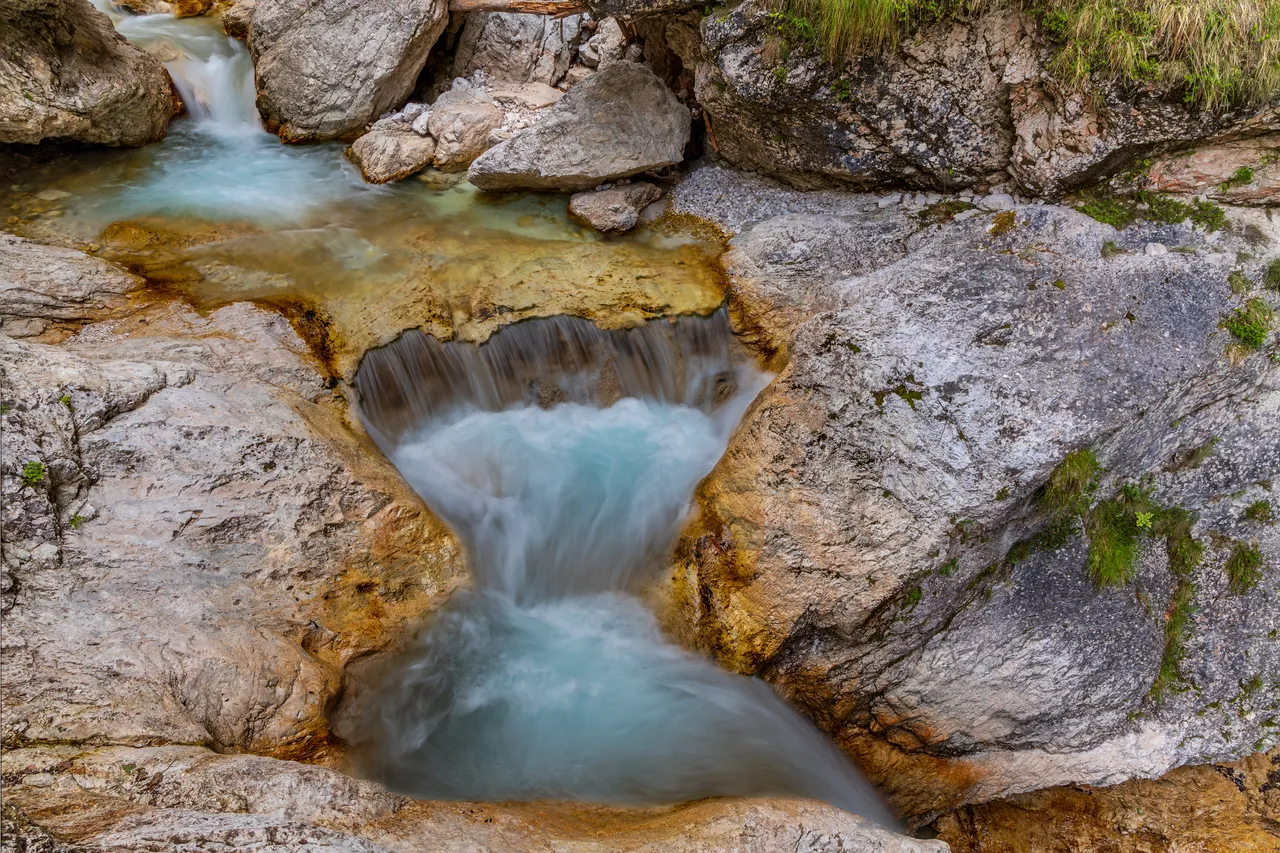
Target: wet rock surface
{"points": [[66, 74], [859, 542], [615, 209], [392, 154], [205, 547], [617, 123], [326, 70]]}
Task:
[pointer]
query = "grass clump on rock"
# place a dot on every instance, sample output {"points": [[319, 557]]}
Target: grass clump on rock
{"points": [[1220, 52], [1260, 511], [1251, 323], [1243, 568], [1271, 278]]}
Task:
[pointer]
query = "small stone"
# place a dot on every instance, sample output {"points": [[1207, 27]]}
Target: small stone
{"points": [[997, 201], [391, 156], [1155, 249], [613, 210], [889, 201], [964, 214]]}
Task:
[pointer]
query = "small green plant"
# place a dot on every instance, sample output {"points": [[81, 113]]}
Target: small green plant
{"points": [[1260, 511], [75, 521], [1144, 520], [1244, 568], [1060, 284], [65, 400], [1271, 278], [1114, 532], [1110, 249], [1251, 323], [1242, 177], [33, 473], [949, 567], [1002, 494], [780, 74], [1169, 677], [1208, 216], [914, 596], [1109, 211]]}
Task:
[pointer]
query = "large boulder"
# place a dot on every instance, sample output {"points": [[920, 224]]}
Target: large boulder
{"points": [[511, 47], [327, 69], [619, 122], [876, 539], [65, 73], [961, 102], [460, 121]]}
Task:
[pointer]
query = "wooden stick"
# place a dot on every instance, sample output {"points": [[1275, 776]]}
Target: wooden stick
{"points": [[554, 8]]}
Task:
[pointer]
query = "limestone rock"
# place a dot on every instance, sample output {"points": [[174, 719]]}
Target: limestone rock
{"points": [[859, 542], [620, 122], [606, 47], [1239, 172], [237, 18], [43, 286], [65, 73], [390, 155], [960, 103], [516, 48], [1133, 817], [461, 120], [194, 539], [182, 797], [327, 69], [616, 209]]}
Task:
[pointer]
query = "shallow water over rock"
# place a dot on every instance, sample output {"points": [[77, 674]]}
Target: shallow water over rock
{"points": [[221, 210]]}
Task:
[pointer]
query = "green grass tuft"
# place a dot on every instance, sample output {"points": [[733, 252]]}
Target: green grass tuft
{"points": [[1069, 488], [1244, 568], [1260, 511], [1219, 52], [1271, 278], [1251, 323]]}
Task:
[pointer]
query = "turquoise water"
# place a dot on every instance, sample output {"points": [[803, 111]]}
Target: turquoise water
{"points": [[549, 679]]}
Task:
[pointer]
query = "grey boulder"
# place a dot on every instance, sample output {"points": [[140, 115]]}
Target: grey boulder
{"points": [[619, 122], [615, 209], [326, 69], [65, 73], [390, 155]]}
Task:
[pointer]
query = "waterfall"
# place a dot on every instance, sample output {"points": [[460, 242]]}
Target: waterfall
{"points": [[565, 459], [218, 162]]}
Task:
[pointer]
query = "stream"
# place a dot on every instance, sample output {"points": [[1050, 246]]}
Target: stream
{"points": [[563, 456]]}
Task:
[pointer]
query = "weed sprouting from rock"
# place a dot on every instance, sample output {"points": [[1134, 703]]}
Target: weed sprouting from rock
{"points": [[1243, 568], [33, 473], [1260, 511], [1251, 323]]}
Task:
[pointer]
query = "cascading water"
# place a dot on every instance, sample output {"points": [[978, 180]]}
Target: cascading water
{"points": [[565, 459], [220, 163]]}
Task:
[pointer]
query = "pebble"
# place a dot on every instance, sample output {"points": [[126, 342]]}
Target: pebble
{"points": [[1156, 249], [997, 201]]}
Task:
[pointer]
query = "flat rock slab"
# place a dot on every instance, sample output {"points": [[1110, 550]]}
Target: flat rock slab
{"points": [[617, 123]]}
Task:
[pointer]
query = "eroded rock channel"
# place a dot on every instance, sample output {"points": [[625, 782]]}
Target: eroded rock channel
{"points": [[506, 468]]}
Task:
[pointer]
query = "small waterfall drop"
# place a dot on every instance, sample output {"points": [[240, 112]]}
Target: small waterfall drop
{"points": [[218, 162], [565, 458]]}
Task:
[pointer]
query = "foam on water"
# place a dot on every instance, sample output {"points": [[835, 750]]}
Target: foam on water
{"points": [[549, 679]]}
